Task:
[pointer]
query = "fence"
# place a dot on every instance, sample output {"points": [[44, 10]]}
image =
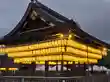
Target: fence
{"points": [[54, 79]]}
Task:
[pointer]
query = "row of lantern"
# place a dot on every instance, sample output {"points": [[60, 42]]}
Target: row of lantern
{"points": [[54, 43], [10, 69], [54, 58], [43, 62], [56, 50]]}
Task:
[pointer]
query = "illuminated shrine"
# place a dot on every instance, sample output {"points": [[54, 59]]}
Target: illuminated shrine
{"points": [[44, 35]]}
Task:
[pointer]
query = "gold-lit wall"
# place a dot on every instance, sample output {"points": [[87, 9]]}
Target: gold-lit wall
{"points": [[53, 50]]}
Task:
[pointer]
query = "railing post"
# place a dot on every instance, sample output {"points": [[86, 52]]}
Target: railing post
{"points": [[22, 79]]}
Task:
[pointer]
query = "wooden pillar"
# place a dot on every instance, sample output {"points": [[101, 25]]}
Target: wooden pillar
{"points": [[46, 68], [67, 66], [92, 68], [73, 65], [56, 65], [33, 67], [62, 65]]}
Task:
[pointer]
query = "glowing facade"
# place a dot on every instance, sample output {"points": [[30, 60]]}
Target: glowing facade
{"points": [[53, 50]]}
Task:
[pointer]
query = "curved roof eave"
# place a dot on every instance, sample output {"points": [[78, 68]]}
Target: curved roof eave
{"points": [[20, 22], [93, 38], [86, 35]]}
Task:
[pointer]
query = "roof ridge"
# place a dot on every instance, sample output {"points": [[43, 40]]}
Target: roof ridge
{"points": [[33, 1], [51, 11]]}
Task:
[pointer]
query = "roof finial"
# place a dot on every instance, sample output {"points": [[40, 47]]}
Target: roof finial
{"points": [[33, 1]]}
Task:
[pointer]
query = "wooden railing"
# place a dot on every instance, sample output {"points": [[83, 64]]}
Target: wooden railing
{"points": [[100, 78]]}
